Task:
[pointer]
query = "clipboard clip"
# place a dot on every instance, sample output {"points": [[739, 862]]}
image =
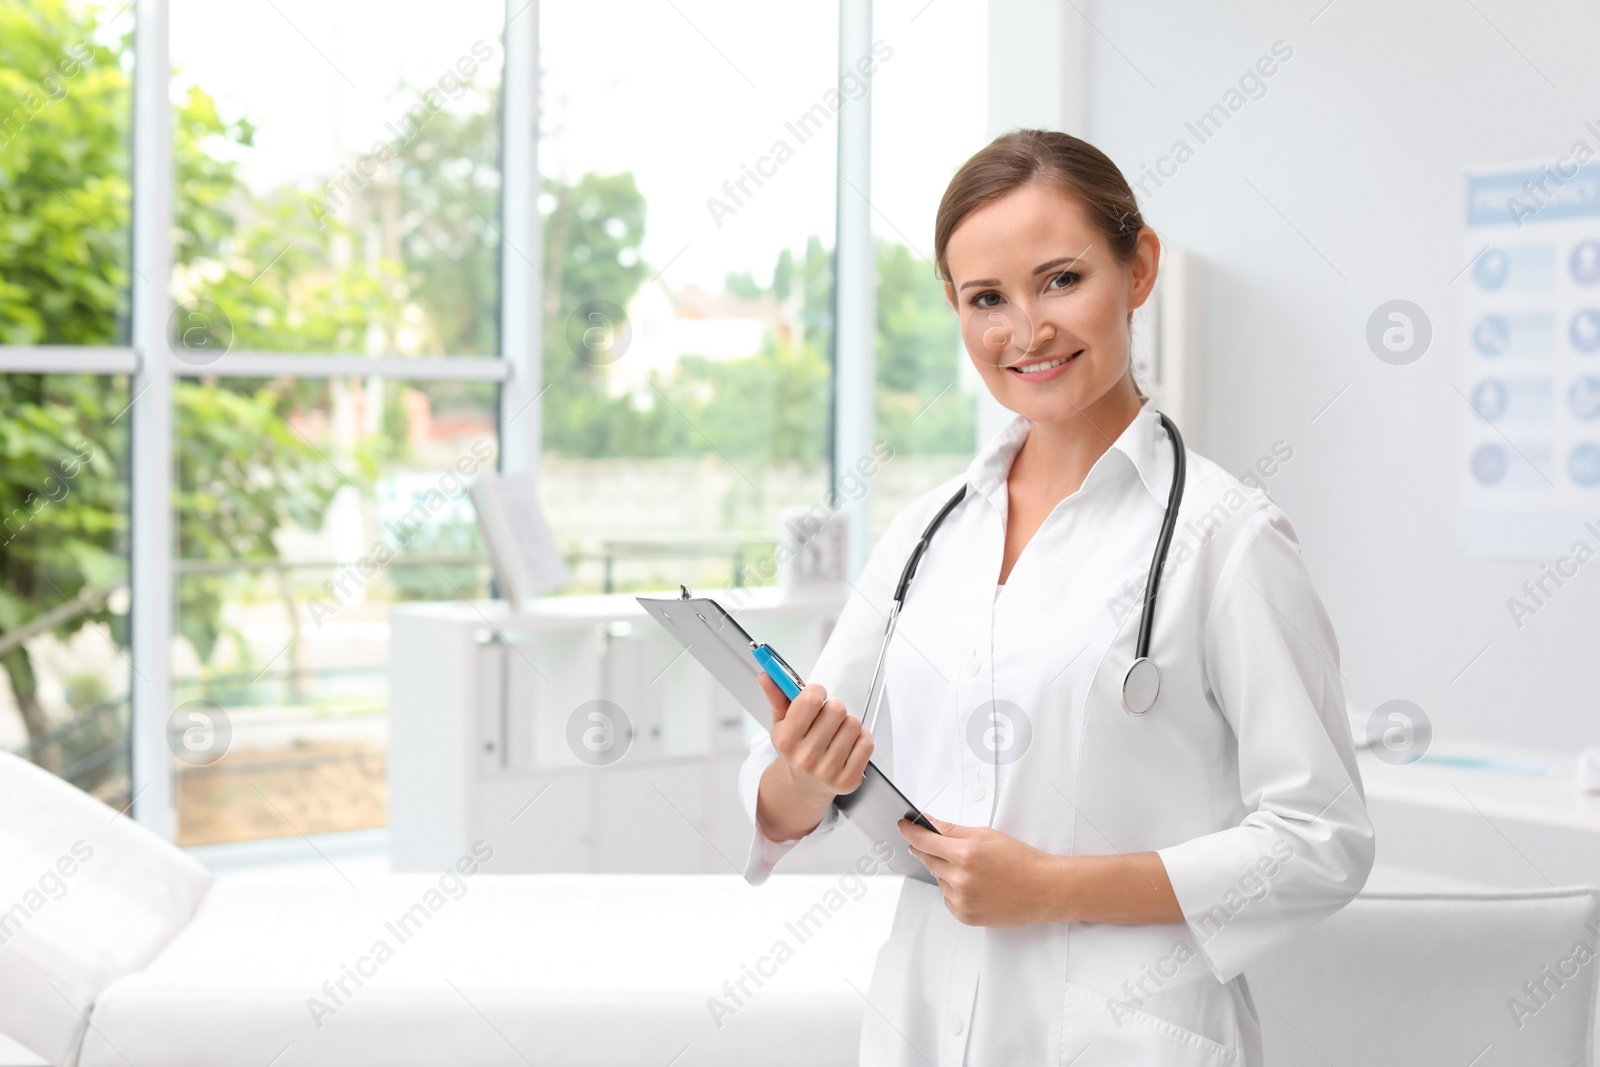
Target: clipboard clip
{"points": [[683, 593]]}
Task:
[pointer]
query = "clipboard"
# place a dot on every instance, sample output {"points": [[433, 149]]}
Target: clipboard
{"points": [[721, 645]]}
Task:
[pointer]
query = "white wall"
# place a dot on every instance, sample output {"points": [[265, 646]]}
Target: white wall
{"points": [[1359, 145]]}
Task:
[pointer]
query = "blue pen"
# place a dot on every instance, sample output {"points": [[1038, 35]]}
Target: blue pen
{"points": [[780, 672]]}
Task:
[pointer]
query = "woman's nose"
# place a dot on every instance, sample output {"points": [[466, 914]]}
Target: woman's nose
{"points": [[1031, 330]]}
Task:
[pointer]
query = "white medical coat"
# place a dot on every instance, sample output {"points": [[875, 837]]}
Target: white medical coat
{"points": [[1241, 777]]}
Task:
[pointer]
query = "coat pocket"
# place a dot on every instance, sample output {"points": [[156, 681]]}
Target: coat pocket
{"points": [[1098, 1030]]}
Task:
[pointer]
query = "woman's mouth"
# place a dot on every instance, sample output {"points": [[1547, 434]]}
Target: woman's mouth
{"points": [[1041, 370]]}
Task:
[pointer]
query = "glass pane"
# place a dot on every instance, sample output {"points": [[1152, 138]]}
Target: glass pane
{"points": [[929, 105], [352, 207], [64, 577], [688, 199], [66, 100], [304, 511]]}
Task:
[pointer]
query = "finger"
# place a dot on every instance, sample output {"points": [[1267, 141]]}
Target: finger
{"points": [[811, 742], [843, 743], [803, 709], [926, 840], [775, 697], [856, 765], [937, 866]]}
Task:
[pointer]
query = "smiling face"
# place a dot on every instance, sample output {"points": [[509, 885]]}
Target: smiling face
{"points": [[1043, 303]]}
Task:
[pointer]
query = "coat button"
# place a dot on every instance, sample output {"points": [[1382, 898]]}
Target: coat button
{"points": [[974, 664], [977, 789], [955, 1023]]}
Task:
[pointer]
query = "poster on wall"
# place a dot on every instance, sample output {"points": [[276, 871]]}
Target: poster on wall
{"points": [[1529, 465]]}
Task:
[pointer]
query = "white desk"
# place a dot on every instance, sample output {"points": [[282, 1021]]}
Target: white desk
{"points": [[1485, 827], [480, 699]]}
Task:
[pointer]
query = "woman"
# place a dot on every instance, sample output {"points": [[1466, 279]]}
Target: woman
{"points": [[1104, 877]]}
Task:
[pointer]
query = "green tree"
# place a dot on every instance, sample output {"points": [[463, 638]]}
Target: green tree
{"points": [[919, 410], [64, 279], [439, 211], [591, 251], [63, 178], [63, 508]]}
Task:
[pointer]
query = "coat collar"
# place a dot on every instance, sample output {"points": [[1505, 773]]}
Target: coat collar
{"points": [[1142, 446]]}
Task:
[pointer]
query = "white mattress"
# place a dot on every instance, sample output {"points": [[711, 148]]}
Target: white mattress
{"points": [[520, 969]]}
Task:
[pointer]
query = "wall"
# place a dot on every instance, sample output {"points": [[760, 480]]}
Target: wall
{"points": [[1338, 189]]}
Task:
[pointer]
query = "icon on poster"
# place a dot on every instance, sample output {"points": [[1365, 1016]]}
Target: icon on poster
{"points": [[1584, 397], [1585, 330], [1491, 269], [1583, 464], [1491, 335], [1489, 399], [1585, 263], [1489, 464]]}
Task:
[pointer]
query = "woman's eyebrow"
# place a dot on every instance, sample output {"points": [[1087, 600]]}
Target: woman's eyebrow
{"points": [[1040, 269], [1061, 262]]}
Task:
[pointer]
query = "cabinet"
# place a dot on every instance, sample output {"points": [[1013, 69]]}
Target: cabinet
{"points": [[578, 736]]}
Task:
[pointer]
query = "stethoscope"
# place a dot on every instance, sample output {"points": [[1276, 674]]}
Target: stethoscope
{"points": [[1142, 683]]}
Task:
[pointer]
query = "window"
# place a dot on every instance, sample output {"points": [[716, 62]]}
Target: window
{"points": [[65, 270], [353, 207], [352, 211], [340, 242], [688, 197], [304, 510], [928, 117], [64, 577]]}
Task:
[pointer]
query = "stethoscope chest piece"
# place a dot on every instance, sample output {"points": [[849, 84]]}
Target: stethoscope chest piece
{"points": [[1141, 686]]}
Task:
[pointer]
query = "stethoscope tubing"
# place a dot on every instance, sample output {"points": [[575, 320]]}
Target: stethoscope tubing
{"points": [[1143, 681]]}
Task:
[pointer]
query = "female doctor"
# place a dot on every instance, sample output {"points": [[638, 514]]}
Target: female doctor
{"points": [[1117, 842]]}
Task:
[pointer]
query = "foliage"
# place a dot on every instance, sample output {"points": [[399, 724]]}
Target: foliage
{"points": [[64, 279], [447, 194], [274, 282], [246, 475], [63, 178], [63, 507], [920, 407]]}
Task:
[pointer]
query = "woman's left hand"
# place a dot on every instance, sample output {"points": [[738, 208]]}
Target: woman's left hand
{"points": [[988, 878]]}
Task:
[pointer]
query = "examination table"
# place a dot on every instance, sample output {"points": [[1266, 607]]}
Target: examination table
{"points": [[118, 949]]}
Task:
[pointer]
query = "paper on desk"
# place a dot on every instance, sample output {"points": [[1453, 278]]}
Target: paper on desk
{"points": [[521, 546]]}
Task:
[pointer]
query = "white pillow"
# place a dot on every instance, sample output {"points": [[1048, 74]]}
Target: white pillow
{"points": [[86, 896]]}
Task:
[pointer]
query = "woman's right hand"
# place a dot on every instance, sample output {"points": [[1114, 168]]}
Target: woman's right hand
{"points": [[823, 751]]}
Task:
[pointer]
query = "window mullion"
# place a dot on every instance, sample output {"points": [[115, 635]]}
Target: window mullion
{"points": [[150, 506]]}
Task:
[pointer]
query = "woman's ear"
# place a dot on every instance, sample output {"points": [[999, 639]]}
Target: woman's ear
{"points": [[950, 296], [1142, 272]]}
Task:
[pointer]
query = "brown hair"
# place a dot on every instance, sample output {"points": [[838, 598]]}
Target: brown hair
{"points": [[1014, 159]]}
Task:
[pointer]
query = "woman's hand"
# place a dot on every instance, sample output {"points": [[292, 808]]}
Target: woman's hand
{"points": [[991, 879], [823, 751], [988, 878]]}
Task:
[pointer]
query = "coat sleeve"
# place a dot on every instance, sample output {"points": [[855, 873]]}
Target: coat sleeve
{"points": [[1271, 663], [844, 670]]}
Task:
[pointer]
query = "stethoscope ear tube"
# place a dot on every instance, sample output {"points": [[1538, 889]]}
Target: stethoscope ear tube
{"points": [[1142, 683], [869, 712], [922, 545]]}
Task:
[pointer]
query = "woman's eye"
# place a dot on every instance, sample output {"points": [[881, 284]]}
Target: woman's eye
{"points": [[982, 299], [1070, 276]]}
